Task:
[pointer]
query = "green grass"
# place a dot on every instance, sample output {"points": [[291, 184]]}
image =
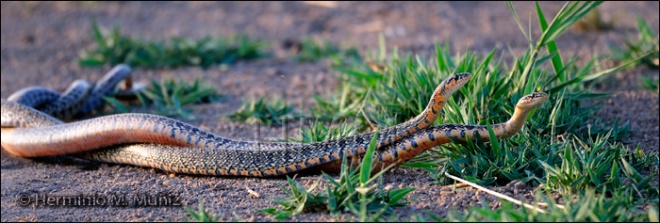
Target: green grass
{"points": [[563, 146], [114, 48], [587, 206], [319, 132], [601, 165], [201, 215], [647, 41], [271, 112], [650, 83], [382, 98], [276, 111], [530, 155], [356, 191], [170, 97], [311, 50]]}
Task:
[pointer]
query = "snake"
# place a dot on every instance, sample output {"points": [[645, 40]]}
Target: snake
{"points": [[282, 161], [131, 128], [174, 146], [80, 98]]}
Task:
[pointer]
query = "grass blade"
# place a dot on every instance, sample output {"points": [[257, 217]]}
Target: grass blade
{"points": [[365, 171]]}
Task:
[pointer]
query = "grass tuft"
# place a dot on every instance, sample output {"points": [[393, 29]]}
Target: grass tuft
{"points": [[400, 87], [201, 215], [311, 50], [355, 191], [646, 47], [114, 48], [595, 163], [563, 147], [586, 206], [318, 132], [272, 112], [170, 97], [650, 83]]}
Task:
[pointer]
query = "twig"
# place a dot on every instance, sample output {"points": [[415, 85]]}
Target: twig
{"points": [[502, 196], [367, 118], [455, 185], [253, 193], [545, 205]]}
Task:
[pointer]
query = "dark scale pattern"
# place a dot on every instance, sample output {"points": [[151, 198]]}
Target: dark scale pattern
{"points": [[69, 102], [34, 96], [105, 87], [176, 151], [440, 96]]}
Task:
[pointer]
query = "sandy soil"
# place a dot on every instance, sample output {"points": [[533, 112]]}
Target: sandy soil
{"points": [[41, 42]]}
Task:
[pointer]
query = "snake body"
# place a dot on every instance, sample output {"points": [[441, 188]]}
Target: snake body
{"points": [[80, 98], [172, 145], [111, 130], [413, 145], [269, 159], [143, 128], [282, 161]]}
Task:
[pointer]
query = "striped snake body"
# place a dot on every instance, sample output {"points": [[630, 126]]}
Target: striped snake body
{"points": [[175, 146], [81, 97], [413, 145]]}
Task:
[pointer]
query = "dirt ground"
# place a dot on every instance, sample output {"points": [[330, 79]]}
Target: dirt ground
{"points": [[41, 42]]}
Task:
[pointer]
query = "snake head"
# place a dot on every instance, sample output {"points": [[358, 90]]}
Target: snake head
{"points": [[453, 83], [531, 101]]}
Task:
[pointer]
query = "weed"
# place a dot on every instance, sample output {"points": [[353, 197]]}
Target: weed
{"points": [[356, 191], [312, 50], [601, 165], [274, 111], [400, 89], [169, 97], [646, 47], [587, 206], [318, 132], [201, 215], [561, 147], [114, 48], [650, 83]]}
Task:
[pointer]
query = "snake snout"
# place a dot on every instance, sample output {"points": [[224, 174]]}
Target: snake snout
{"points": [[453, 83], [532, 100]]}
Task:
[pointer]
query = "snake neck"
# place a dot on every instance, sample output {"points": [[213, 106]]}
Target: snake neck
{"points": [[427, 117], [443, 133], [413, 145], [515, 123]]}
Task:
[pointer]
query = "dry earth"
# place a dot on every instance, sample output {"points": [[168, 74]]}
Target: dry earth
{"points": [[41, 42]]}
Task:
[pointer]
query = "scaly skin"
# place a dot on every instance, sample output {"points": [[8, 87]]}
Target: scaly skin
{"points": [[275, 162], [415, 144], [54, 138], [171, 145]]}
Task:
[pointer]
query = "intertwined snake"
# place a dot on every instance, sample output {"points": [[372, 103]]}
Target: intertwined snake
{"points": [[174, 146]]}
